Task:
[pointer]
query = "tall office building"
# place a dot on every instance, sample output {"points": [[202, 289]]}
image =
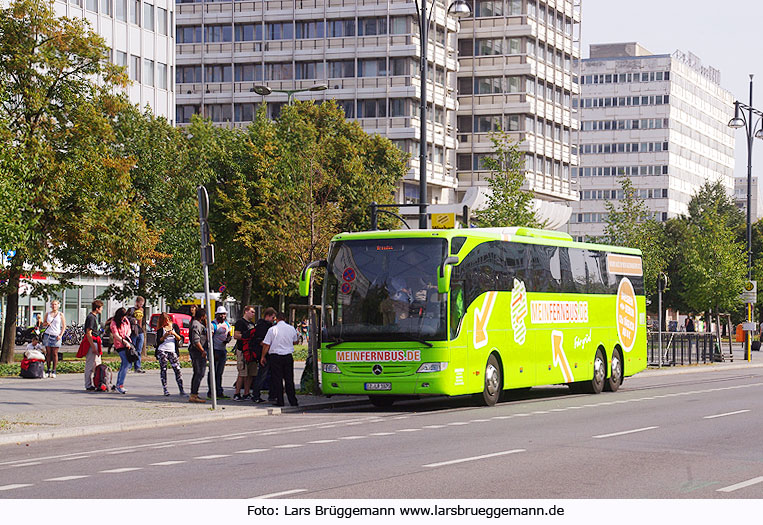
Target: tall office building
{"points": [[516, 71], [508, 65], [141, 35], [661, 120]]}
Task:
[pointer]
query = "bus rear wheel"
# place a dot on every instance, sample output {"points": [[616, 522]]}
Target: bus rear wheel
{"points": [[615, 378], [381, 401], [596, 384], [493, 386]]}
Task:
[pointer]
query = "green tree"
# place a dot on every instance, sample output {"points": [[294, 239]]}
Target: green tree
{"points": [[56, 106], [630, 223], [508, 204], [165, 182]]}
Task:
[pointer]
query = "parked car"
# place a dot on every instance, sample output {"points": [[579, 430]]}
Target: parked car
{"points": [[182, 320]]}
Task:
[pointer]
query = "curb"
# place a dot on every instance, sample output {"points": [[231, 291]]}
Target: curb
{"points": [[18, 439], [692, 369]]}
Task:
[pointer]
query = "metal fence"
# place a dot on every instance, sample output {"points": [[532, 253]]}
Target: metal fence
{"points": [[682, 348]]}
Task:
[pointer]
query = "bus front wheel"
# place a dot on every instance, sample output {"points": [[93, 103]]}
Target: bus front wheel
{"points": [[493, 386], [615, 378], [381, 401]]}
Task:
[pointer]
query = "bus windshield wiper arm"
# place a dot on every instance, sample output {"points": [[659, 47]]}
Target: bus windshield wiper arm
{"points": [[339, 341], [415, 339]]}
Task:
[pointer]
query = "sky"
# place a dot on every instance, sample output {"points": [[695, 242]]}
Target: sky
{"points": [[726, 35]]}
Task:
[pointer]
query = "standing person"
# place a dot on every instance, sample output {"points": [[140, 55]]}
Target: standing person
{"points": [[197, 348], [93, 336], [220, 338], [263, 376], [120, 334], [243, 331], [167, 345], [278, 348], [138, 337], [54, 325]]}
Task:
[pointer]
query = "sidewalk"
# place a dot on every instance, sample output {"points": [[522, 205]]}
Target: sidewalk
{"points": [[39, 409]]}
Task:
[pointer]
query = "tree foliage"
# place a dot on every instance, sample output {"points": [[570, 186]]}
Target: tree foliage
{"points": [[508, 204]]}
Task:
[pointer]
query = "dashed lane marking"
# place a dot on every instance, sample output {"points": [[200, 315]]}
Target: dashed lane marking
{"points": [[726, 414], [290, 445], [624, 432], [744, 484], [474, 458], [322, 441], [409, 430], [251, 451], [15, 486], [280, 494], [213, 456], [434, 426], [381, 434], [75, 457], [120, 470], [66, 478], [32, 464], [167, 463], [120, 452], [349, 438]]}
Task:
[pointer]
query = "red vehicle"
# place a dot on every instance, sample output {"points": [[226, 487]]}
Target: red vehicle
{"points": [[182, 320]]}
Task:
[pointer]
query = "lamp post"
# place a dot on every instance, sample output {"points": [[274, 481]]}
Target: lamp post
{"points": [[753, 129], [265, 91], [460, 9]]}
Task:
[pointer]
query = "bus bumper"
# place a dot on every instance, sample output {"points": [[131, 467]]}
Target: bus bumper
{"points": [[418, 384]]}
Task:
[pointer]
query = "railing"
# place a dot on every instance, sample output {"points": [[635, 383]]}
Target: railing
{"points": [[682, 348]]}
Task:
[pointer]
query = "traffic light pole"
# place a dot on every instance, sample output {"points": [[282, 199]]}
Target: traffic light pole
{"points": [[207, 258]]}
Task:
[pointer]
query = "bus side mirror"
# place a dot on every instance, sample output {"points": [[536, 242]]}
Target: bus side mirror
{"points": [[305, 277], [443, 274]]}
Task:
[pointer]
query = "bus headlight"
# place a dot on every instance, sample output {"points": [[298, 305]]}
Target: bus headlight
{"points": [[431, 367], [331, 368]]}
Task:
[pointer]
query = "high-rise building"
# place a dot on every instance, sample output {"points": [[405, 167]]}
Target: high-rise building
{"points": [[756, 197], [661, 120], [141, 35], [509, 65]]}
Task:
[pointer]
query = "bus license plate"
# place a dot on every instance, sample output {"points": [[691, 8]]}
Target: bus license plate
{"points": [[378, 386]]}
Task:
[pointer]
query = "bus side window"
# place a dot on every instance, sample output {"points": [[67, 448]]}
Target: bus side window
{"points": [[457, 307]]}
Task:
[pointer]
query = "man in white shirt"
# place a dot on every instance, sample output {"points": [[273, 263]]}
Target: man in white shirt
{"points": [[278, 350]]}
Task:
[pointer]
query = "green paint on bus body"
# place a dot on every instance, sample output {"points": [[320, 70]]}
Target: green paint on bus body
{"points": [[539, 337]]}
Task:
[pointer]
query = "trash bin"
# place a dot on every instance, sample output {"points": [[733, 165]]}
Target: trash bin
{"points": [[740, 333]]}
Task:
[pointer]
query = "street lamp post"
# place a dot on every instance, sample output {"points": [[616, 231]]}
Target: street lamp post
{"points": [[753, 129], [265, 91], [460, 9]]}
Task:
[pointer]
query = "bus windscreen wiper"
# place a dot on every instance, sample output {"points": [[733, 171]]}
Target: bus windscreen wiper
{"points": [[339, 341]]}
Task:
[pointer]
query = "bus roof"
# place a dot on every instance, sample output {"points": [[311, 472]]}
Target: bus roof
{"points": [[513, 234]]}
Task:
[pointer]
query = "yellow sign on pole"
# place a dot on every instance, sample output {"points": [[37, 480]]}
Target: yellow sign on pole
{"points": [[443, 221]]}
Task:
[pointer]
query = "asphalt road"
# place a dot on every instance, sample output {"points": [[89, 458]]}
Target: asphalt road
{"points": [[678, 436]]}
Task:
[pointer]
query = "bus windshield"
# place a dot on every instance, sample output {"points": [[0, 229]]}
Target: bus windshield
{"points": [[384, 290]]}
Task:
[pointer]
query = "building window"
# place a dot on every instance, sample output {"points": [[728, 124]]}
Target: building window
{"points": [[465, 47], [310, 70], [488, 85], [218, 33], [248, 32], [134, 68], [310, 29], [372, 108], [466, 85], [399, 107], [279, 71], [488, 8], [374, 67], [280, 31], [120, 58], [400, 66], [348, 106], [121, 10], [341, 28], [148, 17], [341, 69], [245, 112], [489, 46], [91, 5], [148, 72], [218, 73], [218, 112], [372, 26], [398, 25], [188, 34], [135, 12], [249, 73], [161, 75], [106, 7], [161, 20]]}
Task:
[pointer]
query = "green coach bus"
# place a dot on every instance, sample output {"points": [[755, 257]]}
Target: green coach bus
{"points": [[477, 311]]}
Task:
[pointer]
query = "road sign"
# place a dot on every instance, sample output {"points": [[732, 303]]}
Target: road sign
{"points": [[750, 292], [443, 221]]}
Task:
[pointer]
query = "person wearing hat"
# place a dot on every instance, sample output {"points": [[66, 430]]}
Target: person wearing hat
{"points": [[221, 336]]}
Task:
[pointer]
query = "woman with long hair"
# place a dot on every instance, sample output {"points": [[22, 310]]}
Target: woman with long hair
{"points": [[167, 344], [55, 326], [120, 334]]}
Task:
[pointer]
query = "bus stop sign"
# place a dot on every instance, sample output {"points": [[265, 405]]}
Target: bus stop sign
{"points": [[750, 293]]}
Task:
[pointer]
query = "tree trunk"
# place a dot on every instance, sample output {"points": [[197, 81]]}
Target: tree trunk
{"points": [[11, 311], [142, 293], [246, 291]]}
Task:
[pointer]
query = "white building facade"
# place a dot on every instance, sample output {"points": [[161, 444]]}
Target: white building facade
{"points": [[661, 120], [141, 35]]}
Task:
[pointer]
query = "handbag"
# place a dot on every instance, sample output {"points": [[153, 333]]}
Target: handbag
{"points": [[131, 354]]}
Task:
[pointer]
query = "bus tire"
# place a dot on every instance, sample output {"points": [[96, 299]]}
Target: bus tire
{"points": [[615, 378], [493, 385], [381, 401], [596, 384]]}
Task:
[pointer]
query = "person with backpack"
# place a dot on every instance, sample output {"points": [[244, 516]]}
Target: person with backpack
{"points": [[93, 337], [138, 337], [120, 334], [262, 381], [198, 350], [167, 344], [246, 359], [220, 338]]}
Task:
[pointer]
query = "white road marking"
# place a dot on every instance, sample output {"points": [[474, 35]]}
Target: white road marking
{"points": [[290, 445], [322, 441], [250, 451], [382, 434], [67, 478], [479, 421], [353, 437], [458, 423], [234, 438], [213, 456], [120, 470], [204, 442], [16, 486], [119, 452], [167, 463], [163, 446], [624, 432], [503, 417], [521, 415], [474, 458], [749, 482], [32, 464], [541, 412], [434, 426], [726, 414], [409, 430], [279, 494]]}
